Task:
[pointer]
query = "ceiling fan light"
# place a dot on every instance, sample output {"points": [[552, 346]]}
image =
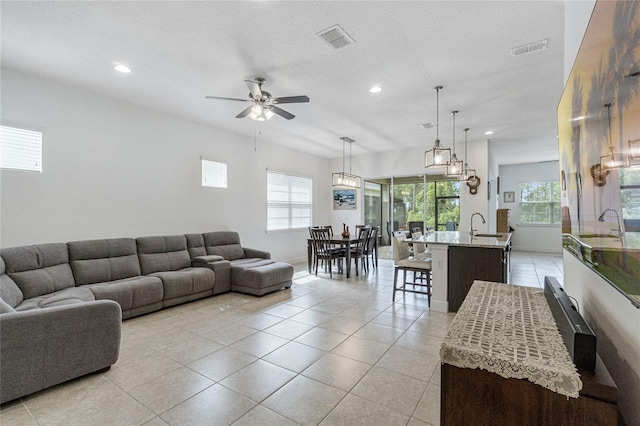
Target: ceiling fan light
{"points": [[268, 114]]}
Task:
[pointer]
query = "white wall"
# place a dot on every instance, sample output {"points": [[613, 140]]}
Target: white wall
{"points": [[410, 162], [539, 238], [616, 323], [576, 19], [114, 169]]}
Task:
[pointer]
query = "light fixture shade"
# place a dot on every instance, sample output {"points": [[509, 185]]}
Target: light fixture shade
{"points": [[455, 166], [343, 179], [438, 156], [614, 161], [467, 174], [259, 113], [634, 149], [346, 180]]}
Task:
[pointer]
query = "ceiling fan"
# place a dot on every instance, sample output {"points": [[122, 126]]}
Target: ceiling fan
{"points": [[264, 105]]}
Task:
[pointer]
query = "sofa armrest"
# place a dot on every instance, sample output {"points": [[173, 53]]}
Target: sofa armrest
{"points": [[43, 347], [249, 252]]}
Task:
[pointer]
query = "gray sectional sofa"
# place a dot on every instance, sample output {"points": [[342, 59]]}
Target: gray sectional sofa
{"points": [[62, 304]]}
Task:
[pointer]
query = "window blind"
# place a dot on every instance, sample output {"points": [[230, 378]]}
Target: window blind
{"points": [[20, 149], [214, 174], [289, 201]]}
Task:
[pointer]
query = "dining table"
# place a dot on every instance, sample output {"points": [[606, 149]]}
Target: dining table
{"points": [[339, 240]]}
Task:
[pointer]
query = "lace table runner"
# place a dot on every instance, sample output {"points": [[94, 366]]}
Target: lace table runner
{"points": [[509, 330]]}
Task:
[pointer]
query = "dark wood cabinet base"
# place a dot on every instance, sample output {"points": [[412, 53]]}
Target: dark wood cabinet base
{"points": [[478, 397]]}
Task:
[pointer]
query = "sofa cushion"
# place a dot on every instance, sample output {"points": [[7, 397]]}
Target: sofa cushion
{"points": [[186, 281], [195, 245], [130, 292], [158, 254], [224, 243], [5, 308], [98, 261], [67, 296], [9, 291], [39, 269], [261, 276]]}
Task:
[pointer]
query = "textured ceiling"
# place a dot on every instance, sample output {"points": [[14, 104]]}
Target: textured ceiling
{"points": [[182, 51]]}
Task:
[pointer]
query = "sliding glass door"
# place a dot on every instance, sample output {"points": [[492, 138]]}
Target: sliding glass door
{"points": [[406, 202]]}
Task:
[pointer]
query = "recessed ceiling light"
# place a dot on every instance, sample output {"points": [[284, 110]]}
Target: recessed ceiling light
{"points": [[376, 89], [122, 68], [489, 132]]}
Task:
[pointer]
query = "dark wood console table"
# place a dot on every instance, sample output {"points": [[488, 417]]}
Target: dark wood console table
{"points": [[502, 365]]}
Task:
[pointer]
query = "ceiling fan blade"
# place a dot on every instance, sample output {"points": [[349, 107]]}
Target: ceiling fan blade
{"points": [[227, 99], [244, 113], [290, 99], [254, 88], [282, 113]]}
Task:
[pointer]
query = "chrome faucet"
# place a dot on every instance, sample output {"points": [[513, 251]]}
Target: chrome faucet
{"points": [[604, 213], [471, 230]]}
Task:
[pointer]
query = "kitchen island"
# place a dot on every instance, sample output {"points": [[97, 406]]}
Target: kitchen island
{"points": [[458, 259]]}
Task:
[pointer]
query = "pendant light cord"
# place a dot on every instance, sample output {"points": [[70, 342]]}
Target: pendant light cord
{"points": [[454, 131], [609, 115], [438, 113], [465, 147], [349, 157]]}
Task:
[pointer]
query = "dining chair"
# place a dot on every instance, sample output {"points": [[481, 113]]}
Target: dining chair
{"points": [[370, 247], [313, 257], [323, 250], [421, 268], [419, 249], [358, 251]]}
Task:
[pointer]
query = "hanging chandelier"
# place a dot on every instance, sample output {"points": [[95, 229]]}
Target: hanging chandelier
{"points": [[343, 179], [612, 160], [455, 166], [468, 173], [438, 156]]}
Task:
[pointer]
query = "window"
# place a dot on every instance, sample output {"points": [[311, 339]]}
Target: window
{"points": [[630, 198], [289, 201], [214, 174], [540, 202], [20, 149]]}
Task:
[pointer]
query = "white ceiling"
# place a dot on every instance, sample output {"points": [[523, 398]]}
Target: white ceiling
{"points": [[181, 51]]}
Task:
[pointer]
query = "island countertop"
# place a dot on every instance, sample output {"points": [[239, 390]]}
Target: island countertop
{"points": [[457, 238]]}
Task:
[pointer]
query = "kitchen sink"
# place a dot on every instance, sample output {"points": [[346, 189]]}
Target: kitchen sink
{"points": [[488, 235]]}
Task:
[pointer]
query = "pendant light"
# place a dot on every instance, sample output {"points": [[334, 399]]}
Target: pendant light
{"points": [[467, 172], [343, 179], [613, 160], [438, 156], [455, 166]]}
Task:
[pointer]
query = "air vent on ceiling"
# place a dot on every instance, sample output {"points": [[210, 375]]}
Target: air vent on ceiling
{"points": [[529, 48], [429, 125], [336, 37]]}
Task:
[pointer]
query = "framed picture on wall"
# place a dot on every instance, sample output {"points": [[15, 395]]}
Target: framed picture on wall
{"points": [[509, 196], [344, 199]]}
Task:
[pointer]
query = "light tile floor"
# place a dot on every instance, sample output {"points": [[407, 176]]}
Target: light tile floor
{"points": [[330, 352]]}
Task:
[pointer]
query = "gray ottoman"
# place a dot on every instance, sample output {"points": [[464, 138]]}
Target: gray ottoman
{"points": [[260, 276]]}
